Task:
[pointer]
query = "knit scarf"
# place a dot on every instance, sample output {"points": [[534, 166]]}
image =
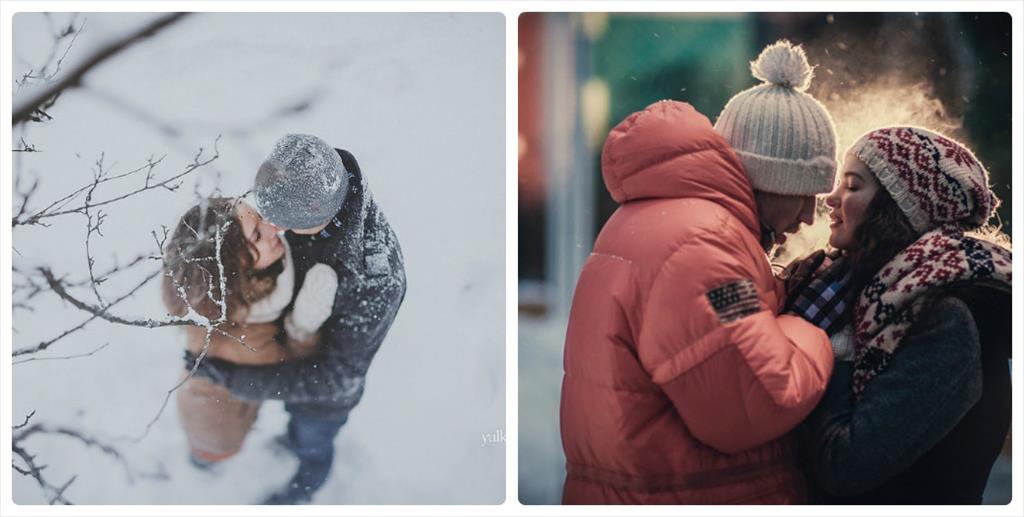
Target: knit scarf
{"points": [[887, 306]]}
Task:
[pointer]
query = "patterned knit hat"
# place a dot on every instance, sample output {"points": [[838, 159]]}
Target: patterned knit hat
{"points": [[934, 179], [784, 137]]}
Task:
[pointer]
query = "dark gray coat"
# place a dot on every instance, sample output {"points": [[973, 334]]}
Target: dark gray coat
{"points": [[929, 427], [365, 253]]}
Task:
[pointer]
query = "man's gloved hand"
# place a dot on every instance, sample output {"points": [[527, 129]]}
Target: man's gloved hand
{"points": [[216, 370], [313, 304], [821, 297], [799, 272]]}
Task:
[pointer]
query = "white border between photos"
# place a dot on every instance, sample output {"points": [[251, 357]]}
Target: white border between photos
{"points": [[511, 10]]}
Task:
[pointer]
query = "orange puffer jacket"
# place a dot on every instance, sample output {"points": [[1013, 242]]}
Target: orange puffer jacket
{"points": [[681, 378]]}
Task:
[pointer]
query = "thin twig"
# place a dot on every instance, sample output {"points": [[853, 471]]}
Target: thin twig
{"points": [[88, 441], [91, 228], [23, 424], [76, 356], [103, 313], [46, 344], [35, 471], [171, 184], [59, 496], [63, 201], [23, 110], [210, 327]]}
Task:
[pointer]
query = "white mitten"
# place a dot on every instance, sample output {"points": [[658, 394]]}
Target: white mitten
{"points": [[843, 344], [313, 304]]}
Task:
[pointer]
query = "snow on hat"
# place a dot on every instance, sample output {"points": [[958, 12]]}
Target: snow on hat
{"points": [[784, 137], [934, 179], [302, 184]]}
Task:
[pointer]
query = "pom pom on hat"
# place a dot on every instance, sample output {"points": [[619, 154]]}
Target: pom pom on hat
{"points": [[784, 136], [783, 64]]}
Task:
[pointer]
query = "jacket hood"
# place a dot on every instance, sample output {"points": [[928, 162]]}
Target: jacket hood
{"points": [[670, 150]]}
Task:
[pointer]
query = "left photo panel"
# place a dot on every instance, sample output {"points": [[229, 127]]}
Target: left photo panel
{"points": [[258, 258]]}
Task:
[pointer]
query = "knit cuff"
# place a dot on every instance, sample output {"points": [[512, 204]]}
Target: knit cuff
{"points": [[296, 333], [843, 344], [800, 177], [866, 152]]}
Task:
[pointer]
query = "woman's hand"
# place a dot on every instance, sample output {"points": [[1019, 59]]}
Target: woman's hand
{"points": [[313, 304]]}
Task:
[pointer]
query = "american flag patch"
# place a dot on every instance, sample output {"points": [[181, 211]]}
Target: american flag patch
{"points": [[734, 300]]}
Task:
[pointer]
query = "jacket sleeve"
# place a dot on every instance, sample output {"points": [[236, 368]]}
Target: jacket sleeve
{"points": [[738, 374], [351, 338], [928, 387]]}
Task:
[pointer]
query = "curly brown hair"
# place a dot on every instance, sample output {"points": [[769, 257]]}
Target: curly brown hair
{"points": [[192, 264], [884, 232]]}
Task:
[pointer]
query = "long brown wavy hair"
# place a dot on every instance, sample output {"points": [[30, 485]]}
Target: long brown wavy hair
{"points": [[885, 232], [192, 276]]}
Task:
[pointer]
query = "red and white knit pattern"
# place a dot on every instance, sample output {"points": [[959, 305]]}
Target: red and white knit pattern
{"points": [[885, 309], [934, 179]]}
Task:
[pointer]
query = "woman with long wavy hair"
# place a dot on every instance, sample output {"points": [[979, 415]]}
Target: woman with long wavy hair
{"points": [[229, 270], [917, 305]]}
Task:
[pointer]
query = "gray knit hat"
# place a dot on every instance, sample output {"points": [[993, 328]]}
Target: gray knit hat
{"points": [[302, 184], [784, 137]]}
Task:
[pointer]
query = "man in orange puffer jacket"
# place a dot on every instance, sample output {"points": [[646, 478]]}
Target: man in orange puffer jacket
{"points": [[682, 381]]}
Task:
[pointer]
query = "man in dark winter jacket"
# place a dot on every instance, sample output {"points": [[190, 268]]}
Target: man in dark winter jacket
{"points": [[319, 195]]}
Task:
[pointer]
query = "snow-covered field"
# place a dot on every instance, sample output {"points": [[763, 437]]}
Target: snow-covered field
{"points": [[419, 100]]}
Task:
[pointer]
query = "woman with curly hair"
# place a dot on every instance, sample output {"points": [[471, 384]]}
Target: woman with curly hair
{"points": [[228, 269]]}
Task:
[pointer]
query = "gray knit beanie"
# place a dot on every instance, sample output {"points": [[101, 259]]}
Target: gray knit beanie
{"points": [[784, 137], [302, 184]]}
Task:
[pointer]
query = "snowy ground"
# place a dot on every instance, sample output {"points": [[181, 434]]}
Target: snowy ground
{"points": [[419, 99], [541, 460]]}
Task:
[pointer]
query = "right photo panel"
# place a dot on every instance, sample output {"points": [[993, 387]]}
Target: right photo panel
{"points": [[764, 258]]}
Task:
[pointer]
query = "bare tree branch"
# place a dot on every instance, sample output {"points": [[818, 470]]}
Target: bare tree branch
{"points": [[23, 424], [23, 111], [26, 196], [88, 441], [172, 183], [59, 496], [45, 74], [29, 285], [26, 148], [87, 354], [102, 311], [35, 471], [63, 201], [210, 327], [91, 228], [46, 344]]}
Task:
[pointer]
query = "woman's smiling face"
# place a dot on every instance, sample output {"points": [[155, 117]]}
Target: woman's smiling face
{"points": [[849, 201], [261, 235]]}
